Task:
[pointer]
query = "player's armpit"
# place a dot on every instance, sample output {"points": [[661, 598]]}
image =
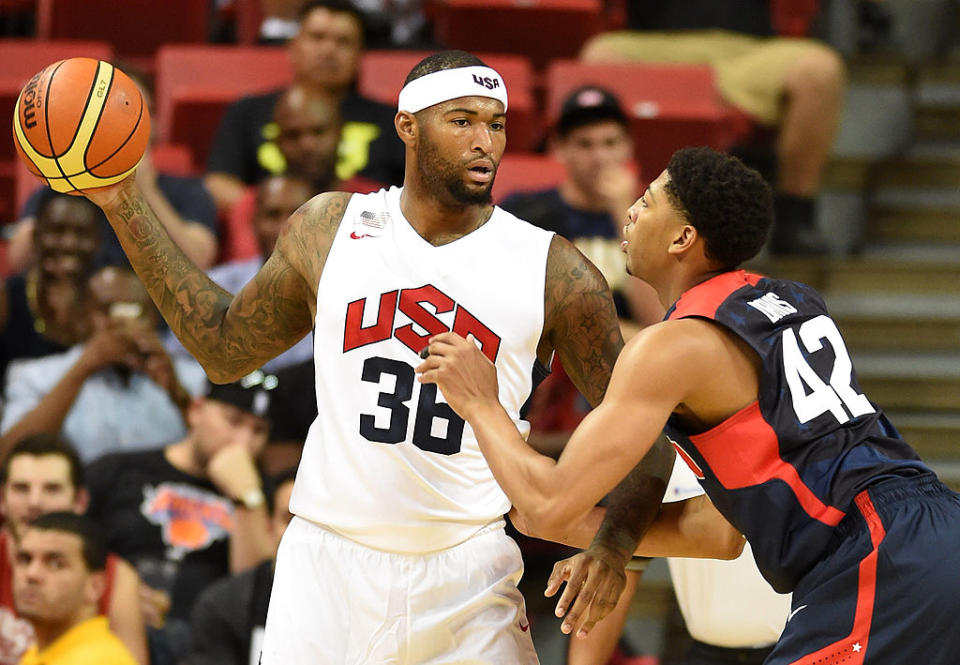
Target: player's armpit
{"points": [[580, 320]]}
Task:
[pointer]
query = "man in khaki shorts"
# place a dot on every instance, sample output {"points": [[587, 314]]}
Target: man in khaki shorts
{"points": [[793, 84]]}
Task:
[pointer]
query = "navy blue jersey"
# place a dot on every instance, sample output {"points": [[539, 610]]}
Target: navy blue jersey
{"points": [[785, 469]]}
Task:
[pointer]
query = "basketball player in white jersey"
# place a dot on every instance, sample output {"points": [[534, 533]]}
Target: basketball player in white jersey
{"points": [[397, 553]]}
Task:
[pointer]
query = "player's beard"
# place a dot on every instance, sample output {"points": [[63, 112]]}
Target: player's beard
{"points": [[444, 179]]}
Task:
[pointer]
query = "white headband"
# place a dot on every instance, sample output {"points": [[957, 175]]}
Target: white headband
{"points": [[450, 84]]}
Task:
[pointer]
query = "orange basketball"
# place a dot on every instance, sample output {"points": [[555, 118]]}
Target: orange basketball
{"points": [[81, 124]]}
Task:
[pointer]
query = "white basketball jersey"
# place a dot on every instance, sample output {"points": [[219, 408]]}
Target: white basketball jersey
{"points": [[388, 463]]}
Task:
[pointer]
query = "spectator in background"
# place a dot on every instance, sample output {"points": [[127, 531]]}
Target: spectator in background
{"points": [[119, 390], [309, 129], [796, 85], [228, 618], [591, 139], [58, 579], [191, 512], [41, 307], [182, 204], [325, 56], [43, 474]]}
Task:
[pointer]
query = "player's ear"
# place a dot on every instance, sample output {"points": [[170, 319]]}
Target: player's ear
{"points": [[684, 239], [407, 127]]}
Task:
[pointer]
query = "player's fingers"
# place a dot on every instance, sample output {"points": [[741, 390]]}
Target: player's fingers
{"points": [[569, 595], [602, 604], [560, 574], [576, 613]]}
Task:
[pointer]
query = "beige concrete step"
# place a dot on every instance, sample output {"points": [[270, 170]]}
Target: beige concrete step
{"points": [[894, 224], [922, 393], [930, 171], [937, 123], [874, 333], [864, 275], [934, 436]]}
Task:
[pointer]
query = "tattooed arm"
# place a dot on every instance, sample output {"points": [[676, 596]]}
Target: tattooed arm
{"points": [[229, 335], [581, 324]]}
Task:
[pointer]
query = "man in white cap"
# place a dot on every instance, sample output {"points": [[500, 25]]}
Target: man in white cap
{"points": [[397, 551]]}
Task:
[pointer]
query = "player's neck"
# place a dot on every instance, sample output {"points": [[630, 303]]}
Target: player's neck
{"points": [[439, 223]]}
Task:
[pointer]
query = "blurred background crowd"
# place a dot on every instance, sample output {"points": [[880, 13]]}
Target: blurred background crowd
{"points": [[851, 109]]}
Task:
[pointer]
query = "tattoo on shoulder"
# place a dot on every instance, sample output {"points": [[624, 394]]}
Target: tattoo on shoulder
{"points": [[581, 319], [315, 225]]}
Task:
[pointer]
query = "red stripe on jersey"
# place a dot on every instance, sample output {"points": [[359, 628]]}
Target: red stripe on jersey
{"points": [[705, 298], [852, 650], [743, 451], [697, 471]]}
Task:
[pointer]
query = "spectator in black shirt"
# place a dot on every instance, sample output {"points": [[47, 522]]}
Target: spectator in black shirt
{"points": [[227, 621], [325, 55]]}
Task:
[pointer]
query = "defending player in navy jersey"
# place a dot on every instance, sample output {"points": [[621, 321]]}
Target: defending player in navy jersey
{"points": [[752, 381], [397, 551]]}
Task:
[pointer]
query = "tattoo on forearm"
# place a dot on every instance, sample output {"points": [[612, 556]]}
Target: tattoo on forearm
{"points": [[229, 335], [585, 330]]}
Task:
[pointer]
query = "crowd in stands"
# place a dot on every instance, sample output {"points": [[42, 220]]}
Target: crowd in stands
{"points": [[184, 485]]}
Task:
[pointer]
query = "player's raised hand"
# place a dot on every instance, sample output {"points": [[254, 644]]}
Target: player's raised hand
{"points": [[464, 375], [594, 581]]}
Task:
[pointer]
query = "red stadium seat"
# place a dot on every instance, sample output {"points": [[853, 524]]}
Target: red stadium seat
{"points": [[520, 172], [22, 58], [382, 74], [792, 18], [539, 29], [669, 106], [136, 28], [196, 83]]}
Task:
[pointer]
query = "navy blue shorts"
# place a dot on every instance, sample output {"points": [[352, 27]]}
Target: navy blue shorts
{"points": [[889, 590]]}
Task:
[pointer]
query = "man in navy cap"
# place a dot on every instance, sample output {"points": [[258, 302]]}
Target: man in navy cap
{"points": [[591, 138]]}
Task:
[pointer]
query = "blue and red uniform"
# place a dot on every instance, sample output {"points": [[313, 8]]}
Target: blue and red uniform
{"points": [[837, 507]]}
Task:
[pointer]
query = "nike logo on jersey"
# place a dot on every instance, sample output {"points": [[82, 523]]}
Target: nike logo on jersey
{"points": [[369, 224], [794, 612], [412, 316]]}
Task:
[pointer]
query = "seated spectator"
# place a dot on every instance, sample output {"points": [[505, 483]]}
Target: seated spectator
{"points": [[58, 579], [41, 307], [275, 200], [190, 512], [182, 205], [325, 56], [591, 139], [227, 620], [309, 130], [796, 85], [119, 390], [43, 474]]}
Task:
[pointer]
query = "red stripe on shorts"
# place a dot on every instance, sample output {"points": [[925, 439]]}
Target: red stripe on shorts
{"points": [[852, 649]]}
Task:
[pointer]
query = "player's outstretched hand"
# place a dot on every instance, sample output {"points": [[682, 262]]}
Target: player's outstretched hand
{"points": [[595, 579], [105, 197], [464, 375]]}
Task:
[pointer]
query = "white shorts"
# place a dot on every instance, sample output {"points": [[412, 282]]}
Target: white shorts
{"points": [[335, 602]]}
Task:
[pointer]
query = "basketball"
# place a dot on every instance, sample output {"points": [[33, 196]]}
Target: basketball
{"points": [[81, 124]]}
